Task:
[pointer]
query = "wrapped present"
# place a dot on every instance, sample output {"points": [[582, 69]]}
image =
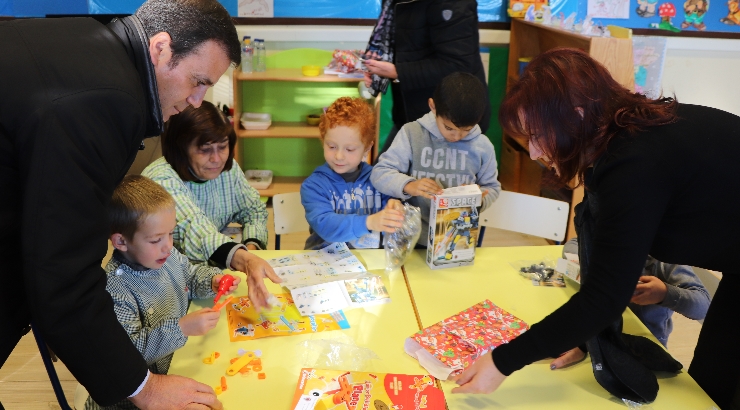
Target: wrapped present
{"points": [[450, 346], [346, 61]]}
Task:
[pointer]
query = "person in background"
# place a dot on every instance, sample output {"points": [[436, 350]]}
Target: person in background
{"points": [[210, 190], [151, 283], [414, 45], [78, 99], [650, 168], [347, 132], [664, 288], [444, 148]]}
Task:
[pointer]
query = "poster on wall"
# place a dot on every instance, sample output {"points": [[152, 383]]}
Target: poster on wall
{"points": [[256, 8], [610, 9], [648, 54]]}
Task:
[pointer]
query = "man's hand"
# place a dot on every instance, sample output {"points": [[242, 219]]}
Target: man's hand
{"points": [[388, 219], [217, 279], [199, 322], [481, 377], [425, 187], [381, 68], [163, 392], [650, 291], [568, 358], [256, 269]]}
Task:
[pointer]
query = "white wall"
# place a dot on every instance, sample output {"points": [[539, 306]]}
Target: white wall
{"points": [[698, 70]]}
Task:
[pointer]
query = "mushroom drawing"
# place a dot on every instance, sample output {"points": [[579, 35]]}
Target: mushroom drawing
{"points": [[666, 11]]}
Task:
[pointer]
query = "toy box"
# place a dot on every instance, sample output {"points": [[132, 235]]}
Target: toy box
{"points": [[453, 227]]}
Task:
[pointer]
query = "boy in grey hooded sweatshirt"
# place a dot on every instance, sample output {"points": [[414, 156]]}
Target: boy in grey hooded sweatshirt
{"points": [[444, 148]]}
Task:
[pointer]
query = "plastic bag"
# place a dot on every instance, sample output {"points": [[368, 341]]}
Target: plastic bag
{"points": [[346, 61], [537, 270], [335, 354], [399, 244]]}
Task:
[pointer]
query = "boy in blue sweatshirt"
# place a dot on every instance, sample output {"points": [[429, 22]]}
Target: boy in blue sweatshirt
{"points": [[445, 148], [341, 204]]}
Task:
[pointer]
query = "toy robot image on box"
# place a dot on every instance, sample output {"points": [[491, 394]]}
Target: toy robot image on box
{"points": [[459, 234], [453, 226]]}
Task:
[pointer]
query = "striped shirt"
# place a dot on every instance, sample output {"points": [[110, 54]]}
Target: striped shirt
{"points": [[149, 304], [206, 208]]}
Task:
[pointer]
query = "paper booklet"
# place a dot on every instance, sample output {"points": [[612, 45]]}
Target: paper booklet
{"points": [[329, 280], [344, 390], [283, 319], [450, 346]]}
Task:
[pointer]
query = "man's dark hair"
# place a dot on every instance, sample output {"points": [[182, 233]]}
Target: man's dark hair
{"points": [[460, 98], [190, 23]]}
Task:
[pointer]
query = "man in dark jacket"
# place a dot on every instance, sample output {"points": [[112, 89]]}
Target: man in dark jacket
{"points": [[77, 99], [427, 40]]}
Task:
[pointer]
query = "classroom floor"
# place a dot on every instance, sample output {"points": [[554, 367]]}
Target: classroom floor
{"points": [[25, 385]]}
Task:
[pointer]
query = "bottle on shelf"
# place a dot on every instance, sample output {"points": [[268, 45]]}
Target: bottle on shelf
{"points": [[259, 55], [247, 53]]}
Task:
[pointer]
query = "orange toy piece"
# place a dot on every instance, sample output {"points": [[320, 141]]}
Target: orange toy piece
{"points": [[223, 383], [226, 301], [239, 363], [210, 359], [257, 368], [261, 376]]}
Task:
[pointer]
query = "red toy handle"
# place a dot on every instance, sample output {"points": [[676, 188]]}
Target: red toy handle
{"points": [[223, 286]]}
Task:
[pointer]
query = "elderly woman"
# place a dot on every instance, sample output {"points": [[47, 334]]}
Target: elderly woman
{"points": [[211, 191], [653, 172]]}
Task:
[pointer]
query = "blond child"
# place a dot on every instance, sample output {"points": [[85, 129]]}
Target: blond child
{"points": [[150, 282], [341, 204]]}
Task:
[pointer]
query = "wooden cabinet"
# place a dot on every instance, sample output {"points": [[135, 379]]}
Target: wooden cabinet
{"points": [[289, 147], [528, 40]]}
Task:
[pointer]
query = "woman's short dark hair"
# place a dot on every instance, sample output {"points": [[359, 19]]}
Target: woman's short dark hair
{"points": [[460, 98], [568, 105], [203, 125]]}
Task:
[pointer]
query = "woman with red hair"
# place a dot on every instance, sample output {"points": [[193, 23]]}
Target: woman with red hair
{"points": [[651, 171]]}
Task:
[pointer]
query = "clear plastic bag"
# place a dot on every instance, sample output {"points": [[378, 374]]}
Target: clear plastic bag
{"points": [[335, 354], [538, 270], [399, 244], [346, 61]]}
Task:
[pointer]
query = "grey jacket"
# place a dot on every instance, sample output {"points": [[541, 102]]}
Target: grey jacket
{"points": [[420, 151], [686, 295]]}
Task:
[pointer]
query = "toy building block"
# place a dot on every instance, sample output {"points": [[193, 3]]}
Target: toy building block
{"points": [[261, 376], [224, 387], [217, 389], [210, 359], [239, 363], [224, 303]]}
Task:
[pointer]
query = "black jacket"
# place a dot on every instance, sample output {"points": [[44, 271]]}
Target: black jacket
{"points": [[428, 48], [77, 99]]}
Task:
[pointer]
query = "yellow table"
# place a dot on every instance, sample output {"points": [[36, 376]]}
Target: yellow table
{"points": [[439, 294], [381, 328]]}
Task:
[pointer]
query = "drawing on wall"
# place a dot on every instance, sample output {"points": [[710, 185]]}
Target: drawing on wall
{"points": [[256, 8], [649, 55], [733, 14], [611, 9], [694, 11]]}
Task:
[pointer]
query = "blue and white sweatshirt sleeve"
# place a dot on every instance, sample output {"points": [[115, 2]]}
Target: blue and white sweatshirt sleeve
{"points": [[390, 174], [487, 177], [330, 226]]}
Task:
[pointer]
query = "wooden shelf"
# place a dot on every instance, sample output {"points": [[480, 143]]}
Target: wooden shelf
{"points": [[291, 74], [282, 185], [282, 130]]}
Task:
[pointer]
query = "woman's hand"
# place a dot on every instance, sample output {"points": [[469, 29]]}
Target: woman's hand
{"points": [[425, 187], [381, 68], [388, 219], [568, 358], [481, 377], [256, 270]]}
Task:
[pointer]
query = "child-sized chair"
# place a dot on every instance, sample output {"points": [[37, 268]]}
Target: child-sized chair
{"points": [[527, 214], [288, 214], [50, 370]]}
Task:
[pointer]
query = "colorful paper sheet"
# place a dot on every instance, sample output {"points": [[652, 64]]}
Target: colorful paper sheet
{"points": [[284, 320], [342, 390], [448, 347]]}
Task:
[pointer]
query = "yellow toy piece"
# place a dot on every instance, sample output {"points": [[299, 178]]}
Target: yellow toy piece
{"points": [[210, 359], [241, 362], [217, 389]]}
